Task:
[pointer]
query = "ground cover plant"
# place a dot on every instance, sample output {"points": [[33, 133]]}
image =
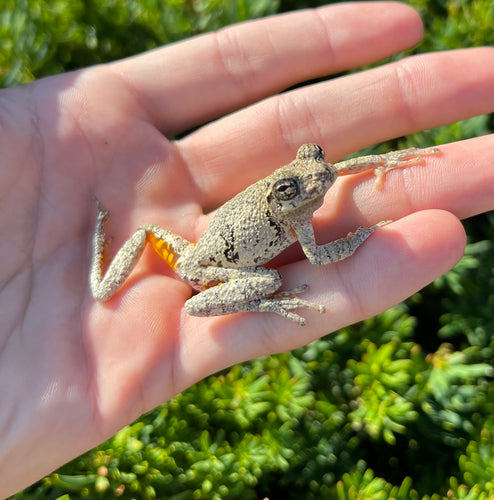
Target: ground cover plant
{"points": [[397, 406]]}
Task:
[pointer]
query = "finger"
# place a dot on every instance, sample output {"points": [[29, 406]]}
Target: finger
{"points": [[465, 185], [460, 180], [342, 115], [189, 83], [395, 262]]}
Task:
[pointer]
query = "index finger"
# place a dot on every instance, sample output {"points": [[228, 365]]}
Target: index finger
{"points": [[189, 83]]}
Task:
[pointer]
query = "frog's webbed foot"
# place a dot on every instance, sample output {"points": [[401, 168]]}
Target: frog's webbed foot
{"points": [[282, 302]]}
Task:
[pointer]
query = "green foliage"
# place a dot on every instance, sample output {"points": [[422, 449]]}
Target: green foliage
{"points": [[313, 422], [457, 24], [398, 406], [362, 484], [43, 37], [477, 464]]}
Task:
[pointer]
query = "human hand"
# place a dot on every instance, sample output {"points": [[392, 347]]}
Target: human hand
{"points": [[73, 371]]}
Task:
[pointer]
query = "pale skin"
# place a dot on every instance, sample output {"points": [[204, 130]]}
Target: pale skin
{"points": [[72, 370]]}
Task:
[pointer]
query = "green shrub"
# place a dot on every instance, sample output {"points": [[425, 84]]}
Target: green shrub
{"points": [[43, 37]]}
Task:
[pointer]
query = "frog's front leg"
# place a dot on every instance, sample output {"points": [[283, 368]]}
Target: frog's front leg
{"points": [[384, 163], [244, 290], [337, 250], [169, 247]]}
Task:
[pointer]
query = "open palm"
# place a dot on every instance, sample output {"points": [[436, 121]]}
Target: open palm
{"points": [[72, 371]]}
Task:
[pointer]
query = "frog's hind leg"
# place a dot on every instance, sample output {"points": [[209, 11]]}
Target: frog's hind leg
{"points": [[169, 247], [248, 290]]}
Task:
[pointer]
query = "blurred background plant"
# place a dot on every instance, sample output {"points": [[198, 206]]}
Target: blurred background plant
{"points": [[398, 406]]}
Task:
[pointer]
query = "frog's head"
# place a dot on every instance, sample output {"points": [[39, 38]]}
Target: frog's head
{"points": [[302, 183]]}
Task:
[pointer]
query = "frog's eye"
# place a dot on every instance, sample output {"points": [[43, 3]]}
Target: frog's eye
{"points": [[286, 189]]}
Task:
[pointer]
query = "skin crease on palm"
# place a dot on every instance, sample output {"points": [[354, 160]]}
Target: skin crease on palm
{"points": [[74, 371]]}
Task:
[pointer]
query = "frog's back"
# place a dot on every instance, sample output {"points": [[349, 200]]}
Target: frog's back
{"points": [[244, 232]]}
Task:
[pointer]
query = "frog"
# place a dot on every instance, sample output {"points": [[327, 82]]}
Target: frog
{"points": [[227, 265]]}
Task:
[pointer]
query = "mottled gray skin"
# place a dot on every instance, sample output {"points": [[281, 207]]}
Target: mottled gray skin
{"points": [[246, 233]]}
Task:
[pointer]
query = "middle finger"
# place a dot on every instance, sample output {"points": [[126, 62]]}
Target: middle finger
{"points": [[343, 115]]}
